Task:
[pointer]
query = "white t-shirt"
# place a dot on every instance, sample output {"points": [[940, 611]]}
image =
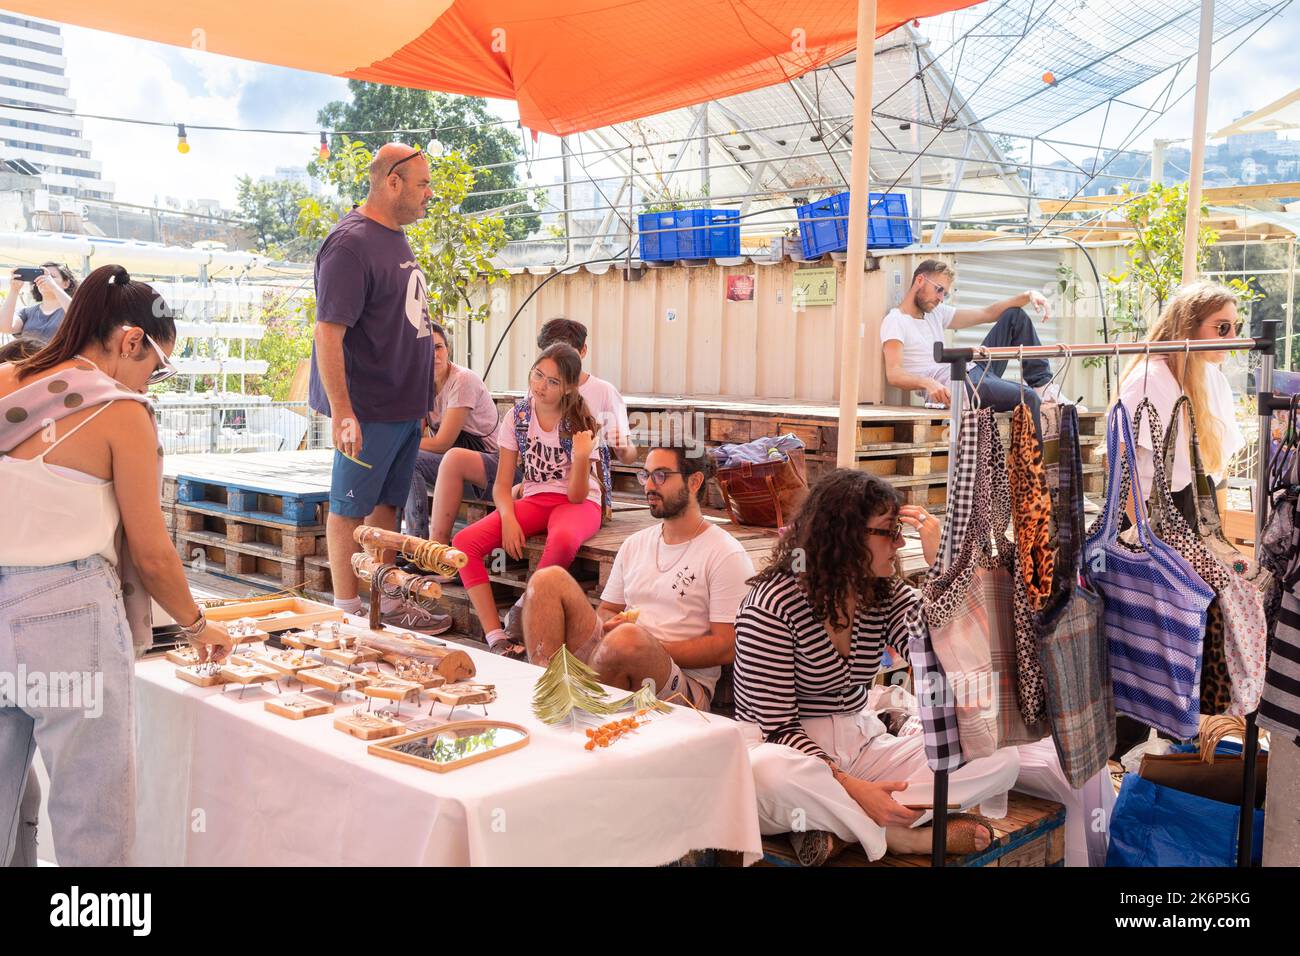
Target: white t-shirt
{"points": [[703, 582], [918, 337], [464, 389], [1163, 391], [545, 466], [607, 405]]}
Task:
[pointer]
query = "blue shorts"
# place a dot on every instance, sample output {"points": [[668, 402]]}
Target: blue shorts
{"points": [[491, 460], [389, 448]]}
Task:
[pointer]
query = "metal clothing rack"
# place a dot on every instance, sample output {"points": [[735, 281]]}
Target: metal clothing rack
{"points": [[957, 359]]}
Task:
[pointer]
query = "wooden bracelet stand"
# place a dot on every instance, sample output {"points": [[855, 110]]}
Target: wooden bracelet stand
{"points": [[375, 541]]}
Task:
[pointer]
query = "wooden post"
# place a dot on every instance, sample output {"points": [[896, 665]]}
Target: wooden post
{"points": [[852, 325], [1196, 172]]}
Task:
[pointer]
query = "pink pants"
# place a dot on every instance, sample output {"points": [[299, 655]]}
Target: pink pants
{"points": [[566, 525]]}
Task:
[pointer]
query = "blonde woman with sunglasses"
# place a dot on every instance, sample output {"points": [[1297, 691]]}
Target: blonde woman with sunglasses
{"points": [[1199, 311]]}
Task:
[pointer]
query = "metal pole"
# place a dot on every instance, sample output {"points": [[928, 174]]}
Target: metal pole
{"points": [[704, 148], [1194, 173], [1250, 741], [852, 328], [1290, 306], [568, 201]]}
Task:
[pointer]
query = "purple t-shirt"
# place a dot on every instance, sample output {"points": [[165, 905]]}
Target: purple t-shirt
{"points": [[368, 280]]}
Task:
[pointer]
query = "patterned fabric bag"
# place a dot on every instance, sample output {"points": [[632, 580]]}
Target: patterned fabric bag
{"points": [[934, 704], [1031, 510], [1155, 604], [1235, 579], [1072, 648]]}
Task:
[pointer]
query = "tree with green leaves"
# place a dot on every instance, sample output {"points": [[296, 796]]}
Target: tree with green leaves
{"points": [[454, 248], [271, 208], [462, 125]]}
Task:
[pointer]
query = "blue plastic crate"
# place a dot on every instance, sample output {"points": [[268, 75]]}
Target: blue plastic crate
{"points": [[689, 234], [824, 225]]}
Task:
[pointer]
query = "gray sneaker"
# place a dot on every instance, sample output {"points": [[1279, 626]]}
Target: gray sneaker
{"points": [[515, 622], [412, 617]]}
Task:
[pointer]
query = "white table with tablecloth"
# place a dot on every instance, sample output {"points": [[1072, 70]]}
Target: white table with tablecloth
{"points": [[224, 782]]}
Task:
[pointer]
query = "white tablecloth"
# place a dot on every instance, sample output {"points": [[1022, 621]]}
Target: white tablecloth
{"points": [[223, 782]]}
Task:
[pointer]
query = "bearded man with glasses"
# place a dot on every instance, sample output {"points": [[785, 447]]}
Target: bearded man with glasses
{"points": [[668, 612]]}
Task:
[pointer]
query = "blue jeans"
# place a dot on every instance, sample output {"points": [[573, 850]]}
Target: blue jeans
{"points": [[67, 673], [1013, 327]]}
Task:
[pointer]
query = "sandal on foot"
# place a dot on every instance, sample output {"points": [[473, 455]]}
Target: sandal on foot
{"points": [[961, 833], [816, 847], [509, 649]]}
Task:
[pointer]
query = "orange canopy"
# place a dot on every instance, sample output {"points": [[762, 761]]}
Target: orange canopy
{"points": [[572, 65]]}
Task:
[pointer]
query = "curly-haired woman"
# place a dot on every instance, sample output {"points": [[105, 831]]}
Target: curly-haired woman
{"points": [[810, 638]]}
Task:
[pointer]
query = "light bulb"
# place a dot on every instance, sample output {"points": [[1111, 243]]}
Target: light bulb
{"points": [[324, 151], [182, 145], [435, 148]]}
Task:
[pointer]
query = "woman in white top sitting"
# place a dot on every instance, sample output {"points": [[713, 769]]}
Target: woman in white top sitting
{"points": [[1200, 310], [84, 549]]}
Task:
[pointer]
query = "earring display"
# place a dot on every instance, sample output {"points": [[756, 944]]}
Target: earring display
{"points": [[331, 678], [201, 675], [240, 673], [390, 688], [288, 663], [246, 631], [183, 656], [424, 673], [294, 639], [368, 726], [320, 636], [451, 665], [298, 707]]}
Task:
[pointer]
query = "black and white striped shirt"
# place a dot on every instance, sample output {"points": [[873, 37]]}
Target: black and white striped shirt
{"points": [[787, 667]]}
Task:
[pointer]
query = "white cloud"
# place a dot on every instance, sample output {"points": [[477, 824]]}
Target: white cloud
{"points": [[120, 76]]}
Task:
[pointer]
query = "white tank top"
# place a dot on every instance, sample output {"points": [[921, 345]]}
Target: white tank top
{"points": [[55, 514]]}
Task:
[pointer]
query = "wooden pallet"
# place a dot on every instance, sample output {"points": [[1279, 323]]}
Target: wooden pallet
{"points": [[288, 541], [260, 503], [256, 564], [1031, 834]]}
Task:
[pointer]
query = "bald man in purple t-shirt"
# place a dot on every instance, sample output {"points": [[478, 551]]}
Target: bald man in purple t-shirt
{"points": [[372, 367]]}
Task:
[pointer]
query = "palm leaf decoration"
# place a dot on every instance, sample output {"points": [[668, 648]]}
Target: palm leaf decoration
{"points": [[643, 699], [566, 685]]}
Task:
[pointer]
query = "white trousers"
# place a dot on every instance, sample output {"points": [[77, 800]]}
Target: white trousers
{"points": [[796, 791]]}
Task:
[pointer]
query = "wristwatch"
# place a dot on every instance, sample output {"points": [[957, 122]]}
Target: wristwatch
{"points": [[195, 629]]}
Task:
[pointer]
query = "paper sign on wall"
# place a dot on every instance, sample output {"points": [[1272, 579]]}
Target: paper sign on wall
{"points": [[740, 288], [813, 287]]}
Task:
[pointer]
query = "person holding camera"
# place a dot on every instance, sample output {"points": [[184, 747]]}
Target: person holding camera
{"points": [[52, 288]]}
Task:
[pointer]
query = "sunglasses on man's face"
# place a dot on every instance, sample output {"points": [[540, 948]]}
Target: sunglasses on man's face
{"points": [[894, 534], [939, 290]]}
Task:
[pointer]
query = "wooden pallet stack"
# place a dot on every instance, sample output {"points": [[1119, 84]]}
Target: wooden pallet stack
{"points": [[255, 518]]}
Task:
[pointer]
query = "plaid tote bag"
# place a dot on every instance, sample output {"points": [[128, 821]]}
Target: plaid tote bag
{"points": [[934, 702], [1072, 645], [1155, 604]]}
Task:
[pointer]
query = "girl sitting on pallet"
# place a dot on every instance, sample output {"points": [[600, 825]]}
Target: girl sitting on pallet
{"points": [[566, 489]]}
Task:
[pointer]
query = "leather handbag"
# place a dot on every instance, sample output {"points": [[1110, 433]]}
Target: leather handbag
{"points": [[765, 494]]}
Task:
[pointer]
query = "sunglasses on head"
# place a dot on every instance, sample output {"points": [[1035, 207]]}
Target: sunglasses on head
{"points": [[400, 161]]}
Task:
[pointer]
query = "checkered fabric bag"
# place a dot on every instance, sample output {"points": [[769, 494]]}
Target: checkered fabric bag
{"points": [[934, 703]]}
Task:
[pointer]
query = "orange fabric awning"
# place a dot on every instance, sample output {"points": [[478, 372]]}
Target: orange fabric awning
{"points": [[572, 65]]}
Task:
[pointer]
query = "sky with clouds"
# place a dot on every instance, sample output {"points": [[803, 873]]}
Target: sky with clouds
{"points": [[120, 76]]}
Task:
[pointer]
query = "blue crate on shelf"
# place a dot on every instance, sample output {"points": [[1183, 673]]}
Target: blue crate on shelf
{"points": [[689, 234], [824, 225]]}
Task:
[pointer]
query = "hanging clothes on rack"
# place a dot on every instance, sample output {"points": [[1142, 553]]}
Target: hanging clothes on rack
{"points": [[1031, 510], [1014, 651], [1241, 606], [1072, 646], [1279, 707], [1155, 604], [934, 702]]}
